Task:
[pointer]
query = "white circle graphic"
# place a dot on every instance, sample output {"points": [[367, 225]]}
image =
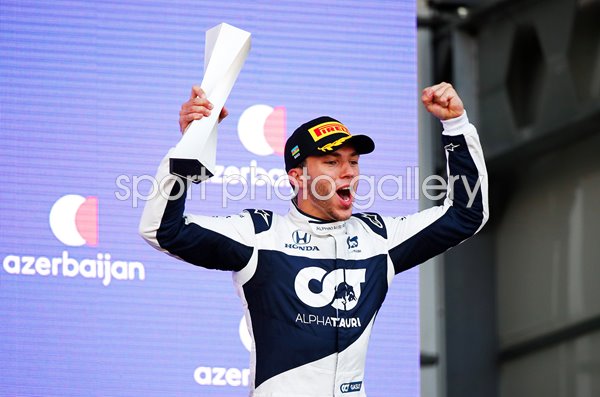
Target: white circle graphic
{"points": [[62, 220], [245, 334], [251, 129]]}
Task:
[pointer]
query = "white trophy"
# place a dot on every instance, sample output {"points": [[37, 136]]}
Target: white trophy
{"points": [[226, 49]]}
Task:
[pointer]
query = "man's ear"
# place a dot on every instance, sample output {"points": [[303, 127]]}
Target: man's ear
{"points": [[294, 176]]}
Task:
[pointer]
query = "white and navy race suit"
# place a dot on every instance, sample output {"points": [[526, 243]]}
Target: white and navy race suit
{"points": [[311, 289]]}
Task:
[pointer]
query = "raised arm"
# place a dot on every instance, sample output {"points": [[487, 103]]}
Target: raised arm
{"points": [[416, 238], [224, 243]]}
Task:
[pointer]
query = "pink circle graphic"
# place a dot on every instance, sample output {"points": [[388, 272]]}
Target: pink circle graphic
{"points": [[262, 129], [74, 220]]}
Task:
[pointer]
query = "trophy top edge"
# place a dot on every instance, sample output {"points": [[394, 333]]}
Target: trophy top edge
{"points": [[224, 26]]}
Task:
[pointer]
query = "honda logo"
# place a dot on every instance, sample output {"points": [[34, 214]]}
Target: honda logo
{"points": [[301, 237]]}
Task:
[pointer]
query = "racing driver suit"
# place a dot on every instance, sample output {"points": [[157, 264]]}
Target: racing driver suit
{"points": [[310, 288]]}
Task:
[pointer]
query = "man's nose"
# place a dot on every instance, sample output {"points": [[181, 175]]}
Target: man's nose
{"points": [[348, 170]]}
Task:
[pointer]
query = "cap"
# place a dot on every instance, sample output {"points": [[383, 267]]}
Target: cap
{"points": [[321, 136]]}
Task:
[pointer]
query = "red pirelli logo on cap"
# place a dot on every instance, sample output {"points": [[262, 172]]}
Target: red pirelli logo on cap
{"points": [[322, 130]]}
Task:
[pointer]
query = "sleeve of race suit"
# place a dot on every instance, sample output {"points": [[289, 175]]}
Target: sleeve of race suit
{"points": [[213, 242], [416, 238]]}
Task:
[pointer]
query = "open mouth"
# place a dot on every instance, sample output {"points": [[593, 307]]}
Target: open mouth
{"points": [[345, 194]]}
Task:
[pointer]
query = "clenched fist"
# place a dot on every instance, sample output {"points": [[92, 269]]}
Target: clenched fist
{"points": [[442, 101], [197, 107]]}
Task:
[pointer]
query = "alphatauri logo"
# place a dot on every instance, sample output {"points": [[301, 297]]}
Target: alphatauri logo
{"points": [[339, 288], [350, 387], [352, 242]]}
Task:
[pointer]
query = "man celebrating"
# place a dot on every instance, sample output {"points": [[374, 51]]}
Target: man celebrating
{"points": [[310, 310]]}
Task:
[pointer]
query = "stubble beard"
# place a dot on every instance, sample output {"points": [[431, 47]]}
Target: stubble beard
{"points": [[323, 189]]}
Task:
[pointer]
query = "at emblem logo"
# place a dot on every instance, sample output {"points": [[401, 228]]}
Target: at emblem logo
{"points": [[339, 288]]}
